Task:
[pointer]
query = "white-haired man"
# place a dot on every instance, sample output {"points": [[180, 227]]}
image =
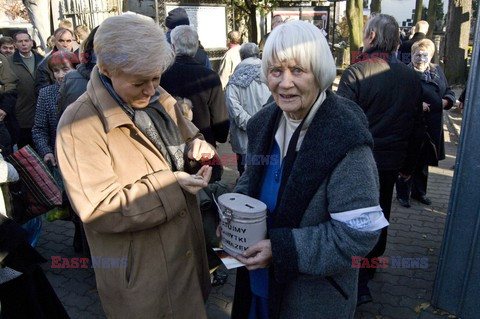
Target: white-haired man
{"points": [[404, 51], [187, 78], [389, 93]]}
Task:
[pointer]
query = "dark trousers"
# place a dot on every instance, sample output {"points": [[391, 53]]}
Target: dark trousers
{"points": [[387, 182], [241, 161], [416, 185], [6, 144], [25, 138]]}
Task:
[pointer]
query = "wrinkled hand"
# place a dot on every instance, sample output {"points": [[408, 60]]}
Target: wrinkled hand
{"points": [[49, 157], [2, 115], [194, 183], [201, 150], [445, 103], [404, 176], [426, 107], [257, 256]]}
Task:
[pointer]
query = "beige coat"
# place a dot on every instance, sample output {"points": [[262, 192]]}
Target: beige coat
{"points": [[133, 209]]}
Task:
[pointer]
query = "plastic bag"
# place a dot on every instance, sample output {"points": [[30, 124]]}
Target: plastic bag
{"points": [[57, 213]]}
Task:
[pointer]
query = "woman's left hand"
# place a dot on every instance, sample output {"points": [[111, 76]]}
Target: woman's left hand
{"points": [[257, 256], [201, 150]]}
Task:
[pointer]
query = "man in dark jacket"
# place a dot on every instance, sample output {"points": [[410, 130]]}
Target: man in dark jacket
{"points": [[390, 95], [421, 29], [187, 78], [24, 63]]}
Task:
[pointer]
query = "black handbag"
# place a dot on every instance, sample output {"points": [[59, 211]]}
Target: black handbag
{"points": [[429, 150]]}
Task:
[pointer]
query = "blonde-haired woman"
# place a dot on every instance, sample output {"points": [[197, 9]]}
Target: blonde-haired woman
{"points": [[123, 149], [320, 186]]}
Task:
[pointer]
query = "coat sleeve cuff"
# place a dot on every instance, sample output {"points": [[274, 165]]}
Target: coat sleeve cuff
{"points": [[284, 253], [169, 191]]}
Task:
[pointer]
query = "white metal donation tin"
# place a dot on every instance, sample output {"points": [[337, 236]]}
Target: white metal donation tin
{"points": [[243, 220]]}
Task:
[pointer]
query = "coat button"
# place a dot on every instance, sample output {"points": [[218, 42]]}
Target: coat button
{"points": [[183, 213], [189, 253]]}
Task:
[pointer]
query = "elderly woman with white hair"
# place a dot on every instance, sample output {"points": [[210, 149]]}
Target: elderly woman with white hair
{"points": [[123, 149], [320, 187]]}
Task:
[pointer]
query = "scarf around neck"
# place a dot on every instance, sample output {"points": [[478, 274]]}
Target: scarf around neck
{"points": [[156, 124]]}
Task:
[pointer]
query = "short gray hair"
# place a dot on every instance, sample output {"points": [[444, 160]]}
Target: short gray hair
{"points": [[132, 43], [184, 40], [304, 43], [248, 50], [387, 36]]}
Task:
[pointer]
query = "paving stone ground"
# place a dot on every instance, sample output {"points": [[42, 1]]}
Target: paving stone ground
{"points": [[402, 293]]}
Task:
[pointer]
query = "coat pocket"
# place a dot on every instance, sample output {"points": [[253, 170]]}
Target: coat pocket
{"points": [[129, 270]]}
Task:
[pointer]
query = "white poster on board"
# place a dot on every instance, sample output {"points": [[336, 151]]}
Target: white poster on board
{"points": [[209, 22]]}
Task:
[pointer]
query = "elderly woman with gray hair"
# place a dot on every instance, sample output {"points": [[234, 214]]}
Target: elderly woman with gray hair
{"points": [[320, 186], [123, 149], [245, 94]]}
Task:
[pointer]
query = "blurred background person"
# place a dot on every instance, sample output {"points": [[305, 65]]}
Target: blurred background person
{"points": [[231, 58], [187, 78], [81, 33], [9, 129], [245, 95], [24, 63], [437, 96], [276, 21], [7, 46]]}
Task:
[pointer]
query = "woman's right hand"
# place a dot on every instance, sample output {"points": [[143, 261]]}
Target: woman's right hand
{"points": [[195, 182]]}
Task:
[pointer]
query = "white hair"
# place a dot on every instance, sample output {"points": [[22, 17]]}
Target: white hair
{"points": [[305, 44], [185, 40], [421, 26], [134, 44]]}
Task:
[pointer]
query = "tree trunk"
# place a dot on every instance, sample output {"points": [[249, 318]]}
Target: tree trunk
{"points": [[252, 25], [432, 17], [418, 11], [376, 6], [355, 23], [456, 40]]}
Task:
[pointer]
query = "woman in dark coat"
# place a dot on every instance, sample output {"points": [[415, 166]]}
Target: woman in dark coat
{"points": [[437, 96], [320, 186]]}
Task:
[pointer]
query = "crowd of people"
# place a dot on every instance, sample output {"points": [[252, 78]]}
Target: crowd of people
{"points": [[131, 127]]}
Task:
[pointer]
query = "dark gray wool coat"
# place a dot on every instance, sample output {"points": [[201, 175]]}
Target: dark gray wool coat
{"points": [[334, 172]]}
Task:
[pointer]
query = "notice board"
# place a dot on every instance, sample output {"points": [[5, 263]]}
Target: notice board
{"points": [[210, 22]]}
